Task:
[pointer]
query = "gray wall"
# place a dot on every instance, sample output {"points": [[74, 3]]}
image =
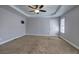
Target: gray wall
{"points": [[10, 26], [41, 26], [72, 27]]}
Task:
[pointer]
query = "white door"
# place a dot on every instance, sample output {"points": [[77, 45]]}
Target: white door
{"points": [[54, 27]]}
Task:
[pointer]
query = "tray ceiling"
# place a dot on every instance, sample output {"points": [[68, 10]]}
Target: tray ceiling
{"points": [[52, 10]]}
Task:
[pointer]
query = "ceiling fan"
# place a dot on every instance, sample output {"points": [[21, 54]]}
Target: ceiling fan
{"points": [[37, 8]]}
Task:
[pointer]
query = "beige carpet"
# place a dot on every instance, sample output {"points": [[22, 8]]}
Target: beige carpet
{"points": [[37, 45]]}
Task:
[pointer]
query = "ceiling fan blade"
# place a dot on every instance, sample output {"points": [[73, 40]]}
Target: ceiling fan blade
{"points": [[31, 11], [31, 7], [41, 6], [43, 10], [36, 6]]}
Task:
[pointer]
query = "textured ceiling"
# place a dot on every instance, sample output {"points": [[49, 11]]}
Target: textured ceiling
{"points": [[52, 10]]}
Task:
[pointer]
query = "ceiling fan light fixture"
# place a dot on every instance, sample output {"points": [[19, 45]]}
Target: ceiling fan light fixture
{"points": [[36, 11]]}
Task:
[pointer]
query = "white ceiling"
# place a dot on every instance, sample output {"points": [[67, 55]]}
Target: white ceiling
{"points": [[52, 10]]}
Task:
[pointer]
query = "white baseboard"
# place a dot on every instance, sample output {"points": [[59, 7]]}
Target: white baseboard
{"points": [[42, 35], [10, 39], [74, 45]]}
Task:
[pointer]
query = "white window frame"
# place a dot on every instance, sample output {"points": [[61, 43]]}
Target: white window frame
{"points": [[62, 25]]}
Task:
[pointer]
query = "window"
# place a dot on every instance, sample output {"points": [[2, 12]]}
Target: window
{"points": [[62, 25]]}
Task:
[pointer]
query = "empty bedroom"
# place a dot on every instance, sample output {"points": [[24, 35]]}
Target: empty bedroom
{"points": [[39, 29]]}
